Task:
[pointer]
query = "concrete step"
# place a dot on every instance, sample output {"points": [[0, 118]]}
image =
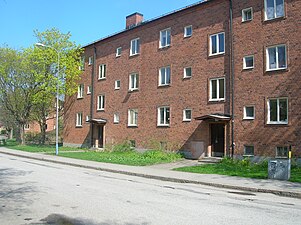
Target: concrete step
{"points": [[210, 160]]}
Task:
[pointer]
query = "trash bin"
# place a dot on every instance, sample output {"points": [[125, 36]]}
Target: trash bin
{"points": [[279, 169]]}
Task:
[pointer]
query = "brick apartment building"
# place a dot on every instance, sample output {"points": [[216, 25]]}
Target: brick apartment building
{"points": [[214, 78]]}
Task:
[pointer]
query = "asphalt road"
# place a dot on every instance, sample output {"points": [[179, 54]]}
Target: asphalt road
{"points": [[35, 192]]}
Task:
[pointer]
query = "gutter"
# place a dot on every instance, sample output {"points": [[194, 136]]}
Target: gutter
{"points": [[232, 79], [92, 95]]}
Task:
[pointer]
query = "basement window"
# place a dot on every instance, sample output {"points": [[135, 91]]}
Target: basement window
{"points": [[247, 14]]}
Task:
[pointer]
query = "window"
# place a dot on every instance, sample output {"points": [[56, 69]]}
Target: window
{"points": [[87, 118], [135, 46], [282, 152], [89, 90], [132, 143], [118, 51], [102, 71], [90, 62], [116, 118], [248, 62], [101, 102], [248, 150], [165, 38], [249, 112], [187, 114], [117, 84], [164, 76], [163, 116], [80, 91], [82, 63], [188, 31], [276, 57], [217, 44], [132, 117], [134, 82], [273, 9], [79, 119], [247, 14], [187, 72], [217, 89], [26, 127], [278, 111]]}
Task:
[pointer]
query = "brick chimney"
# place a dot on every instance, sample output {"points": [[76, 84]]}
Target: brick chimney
{"points": [[133, 20]]}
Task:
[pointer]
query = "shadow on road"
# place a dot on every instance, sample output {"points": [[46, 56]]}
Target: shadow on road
{"points": [[57, 219]]}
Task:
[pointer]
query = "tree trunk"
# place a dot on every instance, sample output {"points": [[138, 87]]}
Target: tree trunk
{"points": [[43, 125], [22, 136]]}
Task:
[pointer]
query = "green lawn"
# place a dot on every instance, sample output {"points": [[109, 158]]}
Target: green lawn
{"points": [[120, 154], [12, 144], [242, 168], [131, 158]]}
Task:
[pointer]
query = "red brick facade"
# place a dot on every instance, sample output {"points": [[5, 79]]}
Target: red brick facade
{"points": [[198, 138]]}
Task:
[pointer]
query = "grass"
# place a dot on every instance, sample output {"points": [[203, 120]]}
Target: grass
{"points": [[131, 158], [13, 144], [118, 154], [240, 168]]}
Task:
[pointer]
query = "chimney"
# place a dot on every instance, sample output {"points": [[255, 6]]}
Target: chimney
{"points": [[133, 20]]}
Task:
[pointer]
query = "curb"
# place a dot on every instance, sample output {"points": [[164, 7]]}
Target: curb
{"points": [[170, 179]]}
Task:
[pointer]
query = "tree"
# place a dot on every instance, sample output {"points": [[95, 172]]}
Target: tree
{"points": [[69, 54], [27, 81]]}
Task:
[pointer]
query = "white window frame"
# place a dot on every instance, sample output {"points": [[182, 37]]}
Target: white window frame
{"points": [[278, 111], [245, 64], [165, 119], [243, 14], [277, 58], [89, 89], [82, 63], [185, 119], [245, 146], [134, 85], [135, 47], [275, 10], [79, 119], [185, 31], [87, 118], [26, 126], [166, 83], [281, 147], [117, 87], [118, 51], [116, 118], [166, 32], [101, 102], [133, 122], [102, 71], [90, 60], [218, 52], [217, 88], [185, 72], [246, 117], [80, 91]]}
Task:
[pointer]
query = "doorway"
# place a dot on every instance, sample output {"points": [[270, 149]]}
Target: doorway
{"points": [[217, 139], [100, 137]]}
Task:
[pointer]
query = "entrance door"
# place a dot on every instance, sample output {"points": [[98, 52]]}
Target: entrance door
{"points": [[218, 140], [100, 136]]}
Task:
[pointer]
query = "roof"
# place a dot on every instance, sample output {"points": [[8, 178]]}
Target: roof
{"points": [[215, 117], [97, 121], [149, 21]]}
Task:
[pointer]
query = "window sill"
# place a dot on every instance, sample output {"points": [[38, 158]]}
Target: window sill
{"points": [[78, 98], [100, 110], [116, 122], [89, 93], [163, 85], [163, 125], [118, 56], [275, 70], [217, 100], [247, 21], [187, 120], [248, 68], [277, 123], [133, 90], [104, 78], [187, 78], [249, 118], [134, 55], [79, 126], [216, 55], [116, 89], [274, 19], [164, 47], [132, 126]]}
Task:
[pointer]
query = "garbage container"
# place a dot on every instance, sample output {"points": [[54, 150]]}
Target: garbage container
{"points": [[279, 169]]}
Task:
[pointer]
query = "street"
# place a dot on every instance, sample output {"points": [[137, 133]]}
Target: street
{"points": [[34, 192]]}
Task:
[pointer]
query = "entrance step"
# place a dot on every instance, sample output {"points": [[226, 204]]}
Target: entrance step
{"points": [[210, 160]]}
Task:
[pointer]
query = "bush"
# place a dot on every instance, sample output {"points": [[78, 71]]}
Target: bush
{"points": [[123, 147], [3, 132]]}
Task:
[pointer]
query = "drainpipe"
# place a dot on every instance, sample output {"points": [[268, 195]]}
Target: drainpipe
{"points": [[92, 95], [232, 78]]}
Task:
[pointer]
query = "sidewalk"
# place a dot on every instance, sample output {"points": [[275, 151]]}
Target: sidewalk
{"points": [[164, 172]]}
